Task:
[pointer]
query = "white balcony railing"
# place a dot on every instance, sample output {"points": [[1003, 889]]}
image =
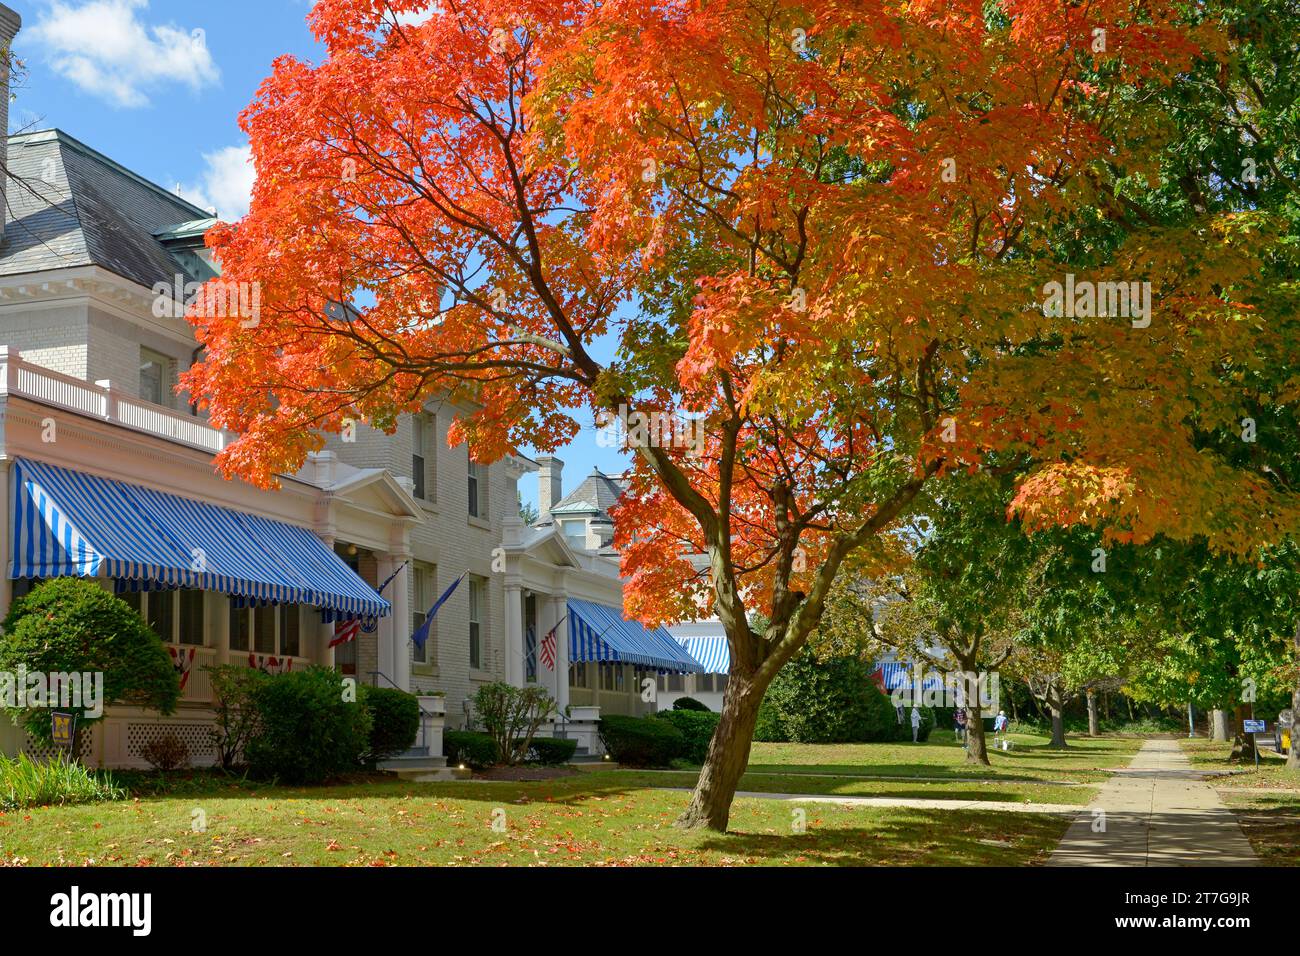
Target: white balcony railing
{"points": [[105, 401]]}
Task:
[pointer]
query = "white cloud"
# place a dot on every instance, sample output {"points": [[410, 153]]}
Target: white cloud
{"points": [[105, 49], [227, 182]]}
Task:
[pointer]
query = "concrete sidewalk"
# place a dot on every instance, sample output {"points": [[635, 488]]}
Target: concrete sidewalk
{"points": [[1158, 812]]}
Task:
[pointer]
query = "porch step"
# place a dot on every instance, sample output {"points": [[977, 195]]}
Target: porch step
{"points": [[410, 761], [431, 774], [422, 769]]}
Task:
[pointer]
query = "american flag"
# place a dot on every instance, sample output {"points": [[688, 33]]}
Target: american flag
{"points": [[547, 650], [345, 631]]}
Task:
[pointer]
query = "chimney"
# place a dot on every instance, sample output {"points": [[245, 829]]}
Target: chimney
{"points": [[548, 485], [10, 22]]}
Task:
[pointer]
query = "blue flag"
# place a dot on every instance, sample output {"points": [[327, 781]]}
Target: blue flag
{"points": [[422, 632]]}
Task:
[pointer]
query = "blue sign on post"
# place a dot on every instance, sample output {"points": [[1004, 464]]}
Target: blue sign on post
{"points": [[1253, 726]]}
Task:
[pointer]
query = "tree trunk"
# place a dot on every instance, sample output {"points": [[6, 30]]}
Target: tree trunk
{"points": [[728, 756], [976, 747], [1293, 758], [1219, 724], [1094, 722], [1129, 701], [1056, 704]]}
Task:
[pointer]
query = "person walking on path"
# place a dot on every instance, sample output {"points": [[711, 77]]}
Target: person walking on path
{"points": [[959, 724], [1000, 723], [916, 724]]}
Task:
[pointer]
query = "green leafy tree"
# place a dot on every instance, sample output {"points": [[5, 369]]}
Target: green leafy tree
{"points": [[72, 625]]}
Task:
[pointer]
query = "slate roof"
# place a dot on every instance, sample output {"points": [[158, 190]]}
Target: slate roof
{"points": [[68, 205], [595, 496]]}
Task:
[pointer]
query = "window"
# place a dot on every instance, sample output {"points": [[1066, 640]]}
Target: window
{"points": [[530, 637], [421, 447], [274, 629], [477, 613], [264, 629], [578, 675], [671, 683], [612, 677], [240, 627], [576, 532], [161, 613], [191, 618], [155, 381], [478, 490], [424, 579], [290, 630]]}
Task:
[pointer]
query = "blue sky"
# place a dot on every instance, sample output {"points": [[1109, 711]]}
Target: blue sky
{"points": [[157, 85]]}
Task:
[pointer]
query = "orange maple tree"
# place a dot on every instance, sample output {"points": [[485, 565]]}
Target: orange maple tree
{"points": [[823, 228]]}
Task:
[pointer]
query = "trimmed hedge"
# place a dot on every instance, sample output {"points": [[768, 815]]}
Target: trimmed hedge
{"points": [[641, 741], [308, 730], [551, 752], [696, 728], [832, 701], [471, 748], [690, 703], [394, 720]]}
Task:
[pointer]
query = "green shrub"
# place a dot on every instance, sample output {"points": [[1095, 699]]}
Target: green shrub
{"points": [[831, 701], [768, 728], [394, 721], [641, 741], [696, 728], [475, 750], [551, 751], [689, 703], [28, 783], [72, 625], [233, 686], [310, 728]]}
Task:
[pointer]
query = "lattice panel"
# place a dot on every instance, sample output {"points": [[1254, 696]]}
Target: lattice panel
{"points": [[36, 750], [196, 737]]}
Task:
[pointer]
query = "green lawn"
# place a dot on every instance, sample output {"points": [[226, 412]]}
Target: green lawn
{"points": [[603, 816], [589, 819], [1211, 755], [1084, 761]]}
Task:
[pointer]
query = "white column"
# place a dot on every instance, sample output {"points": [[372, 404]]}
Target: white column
{"points": [[560, 689], [398, 594], [514, 637], [386, 636]]}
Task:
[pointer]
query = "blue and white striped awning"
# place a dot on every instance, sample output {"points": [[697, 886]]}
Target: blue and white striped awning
{"points": [[713, 653], [896, 674], [599, 633], [67, 523]]}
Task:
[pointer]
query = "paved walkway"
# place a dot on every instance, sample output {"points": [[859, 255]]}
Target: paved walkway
{"points": [[1158, 812], [919, 803]]}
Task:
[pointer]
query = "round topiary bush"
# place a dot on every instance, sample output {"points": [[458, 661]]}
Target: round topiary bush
{"points": [[689, 703], [310, 728], [829, 701], [74, 626], [551, 751], [697, 729], [641, 741], [394, 721], [475, 750]]}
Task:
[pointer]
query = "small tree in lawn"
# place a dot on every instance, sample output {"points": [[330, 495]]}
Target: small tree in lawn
{"points": [[511, 716], [72, 625], [234, 688]]}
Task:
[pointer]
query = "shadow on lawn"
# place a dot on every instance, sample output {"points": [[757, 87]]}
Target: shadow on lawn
{"points": [[905, 838]]}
